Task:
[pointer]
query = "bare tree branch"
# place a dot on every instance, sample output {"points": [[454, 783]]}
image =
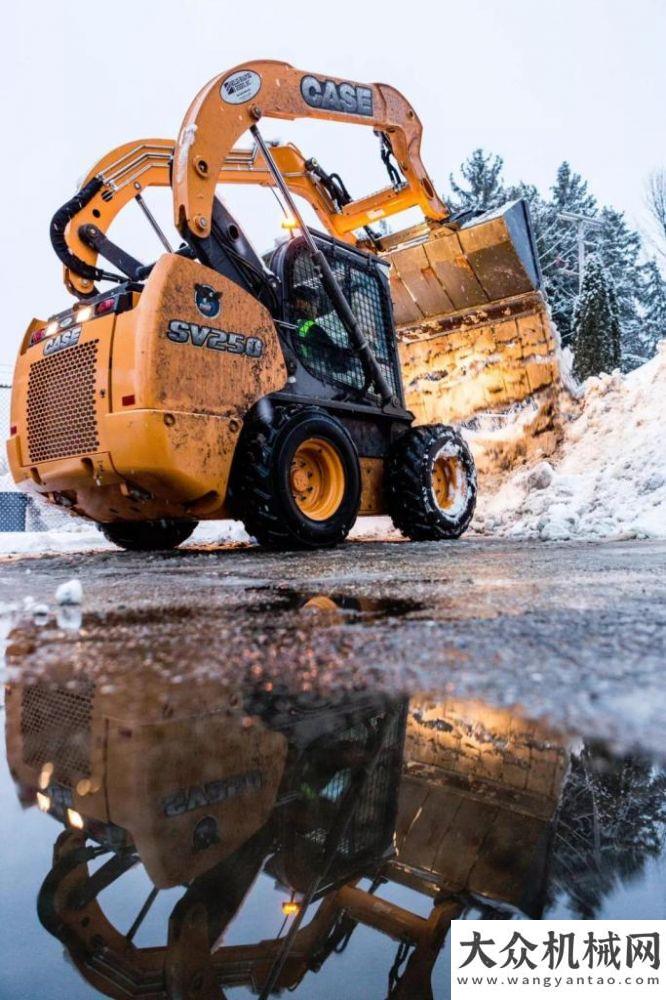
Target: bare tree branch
{"points": [[655, 198]]}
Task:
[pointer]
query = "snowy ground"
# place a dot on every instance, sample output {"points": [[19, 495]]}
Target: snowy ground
{"points": [[608, 479], [87, 538]]}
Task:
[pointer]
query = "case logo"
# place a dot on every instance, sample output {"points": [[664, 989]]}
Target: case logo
{"points": [[207, 300], [187, 799], [62, 340], [350, 98]]}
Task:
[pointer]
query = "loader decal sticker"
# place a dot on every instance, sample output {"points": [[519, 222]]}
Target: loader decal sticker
{"points": [[58, 343], [181, 332], [237, 88], [350, 98], [207, 300], [187, 799]]}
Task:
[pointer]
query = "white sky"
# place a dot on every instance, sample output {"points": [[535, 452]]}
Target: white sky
{"points": [[537, 82]]}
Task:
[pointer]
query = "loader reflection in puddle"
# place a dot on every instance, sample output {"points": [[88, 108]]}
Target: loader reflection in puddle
{"points": [[337, 799]]}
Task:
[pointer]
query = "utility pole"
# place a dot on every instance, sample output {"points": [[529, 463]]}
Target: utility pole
{"points": [[583, 223]]}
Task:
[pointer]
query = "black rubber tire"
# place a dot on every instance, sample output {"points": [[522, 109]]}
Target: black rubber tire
{"points": [[410, 497], [148, 536], [260, 494]]}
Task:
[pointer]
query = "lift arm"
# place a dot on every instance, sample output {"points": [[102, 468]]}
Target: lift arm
{"points": [[126, 171], [205, 155], [233, 102]]}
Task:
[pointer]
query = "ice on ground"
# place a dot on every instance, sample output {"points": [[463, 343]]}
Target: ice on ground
{"points": [[608, 478]]}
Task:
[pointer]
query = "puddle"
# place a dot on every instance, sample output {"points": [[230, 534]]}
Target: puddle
{"points": [[226, 833], [331, 608]]}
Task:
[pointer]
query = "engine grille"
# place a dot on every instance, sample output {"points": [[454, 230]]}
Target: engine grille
{"points": [[61, 404], [55, 726]]}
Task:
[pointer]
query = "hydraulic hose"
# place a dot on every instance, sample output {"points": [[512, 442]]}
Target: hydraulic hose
{"points": [[59, 223]]}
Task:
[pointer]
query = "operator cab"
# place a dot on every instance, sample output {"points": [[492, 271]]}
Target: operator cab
{"points": [[317, 345]]}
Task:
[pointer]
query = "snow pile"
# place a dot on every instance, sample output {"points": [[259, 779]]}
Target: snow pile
{"points": [[608, 478], [70, 592]]}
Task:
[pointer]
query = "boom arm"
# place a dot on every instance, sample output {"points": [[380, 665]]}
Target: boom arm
{"points": [[204, 156], [234, 101], [128, 170]]}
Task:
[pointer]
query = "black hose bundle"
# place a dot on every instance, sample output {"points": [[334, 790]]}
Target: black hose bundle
{"points": [[59, 223]]}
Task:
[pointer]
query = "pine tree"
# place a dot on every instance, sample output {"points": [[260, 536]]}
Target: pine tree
{"points": [[485, 187], [556, 241], [559, 261], [596, 323], [569, 193], [620, 247], [609, 825], [652, 324]]}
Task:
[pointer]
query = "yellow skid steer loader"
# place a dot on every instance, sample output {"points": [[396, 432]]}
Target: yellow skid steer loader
{"points": [[214, 383]]}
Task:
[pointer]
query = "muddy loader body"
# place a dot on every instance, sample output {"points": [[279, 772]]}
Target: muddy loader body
{"points": [[215, 384]]}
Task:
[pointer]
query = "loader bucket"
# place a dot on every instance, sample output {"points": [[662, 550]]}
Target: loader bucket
{"points": [[474, 329]]}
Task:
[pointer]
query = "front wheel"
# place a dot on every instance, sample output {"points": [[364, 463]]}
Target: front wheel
{"points": [[148, 536], [431, 483], [296, 480]]}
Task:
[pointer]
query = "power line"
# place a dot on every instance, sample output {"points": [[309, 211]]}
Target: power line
{"points": [[583, 223]]}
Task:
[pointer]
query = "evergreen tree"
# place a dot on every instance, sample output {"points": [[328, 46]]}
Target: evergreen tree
{"points": [[569, 193], [596, 323], [652, 325], [482, 173], [559, 259], [610, 823], [556, 239], [637, 291], [619, 247]]}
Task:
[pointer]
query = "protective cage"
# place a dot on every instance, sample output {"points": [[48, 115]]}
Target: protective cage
{"points": [[335, 362], [306, 824]]}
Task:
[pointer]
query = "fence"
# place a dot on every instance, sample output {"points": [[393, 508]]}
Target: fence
{"points": [[19, 512]]}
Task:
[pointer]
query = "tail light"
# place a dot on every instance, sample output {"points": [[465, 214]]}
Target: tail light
{"points": [[120, 302], [105, 306], [37, 336]]}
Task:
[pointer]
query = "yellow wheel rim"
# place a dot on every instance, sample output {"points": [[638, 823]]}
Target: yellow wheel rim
{"points": [[317, 479], [448, 479], [320, 603]]}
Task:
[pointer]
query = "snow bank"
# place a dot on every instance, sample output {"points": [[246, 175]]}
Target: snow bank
{"points": [[608, 478]]}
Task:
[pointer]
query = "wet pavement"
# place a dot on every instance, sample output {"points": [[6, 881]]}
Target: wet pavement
{"points": [[231, 772]]}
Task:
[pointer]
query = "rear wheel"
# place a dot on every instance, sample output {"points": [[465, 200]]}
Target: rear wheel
{"points": [[148, 536], [431, 483], [296, 480]]}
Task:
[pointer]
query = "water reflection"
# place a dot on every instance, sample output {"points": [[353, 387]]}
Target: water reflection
{"points": [[336, 798]]}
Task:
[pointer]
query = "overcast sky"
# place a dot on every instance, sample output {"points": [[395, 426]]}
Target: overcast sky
{"points": [[537, 82]]}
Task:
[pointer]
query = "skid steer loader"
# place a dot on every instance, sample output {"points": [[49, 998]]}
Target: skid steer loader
{"points": [[215, 383]]}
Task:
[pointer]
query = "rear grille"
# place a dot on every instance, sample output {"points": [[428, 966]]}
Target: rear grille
{"points": [[61, 404], [55, 726]]}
